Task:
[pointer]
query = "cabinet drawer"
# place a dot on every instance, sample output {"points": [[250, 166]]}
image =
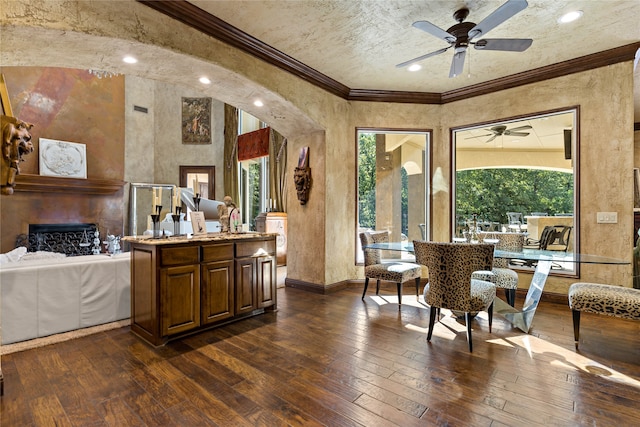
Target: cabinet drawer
{"points": [[219, 252], [259, 248], [179, 255]]}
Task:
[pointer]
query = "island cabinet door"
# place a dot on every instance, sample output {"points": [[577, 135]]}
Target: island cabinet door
{"points": [[180, 298], [266, 281], [246, 285], [217, 291]]}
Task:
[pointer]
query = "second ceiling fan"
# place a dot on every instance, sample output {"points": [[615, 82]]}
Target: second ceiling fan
{"points": [[500, 130], [460, 35]]}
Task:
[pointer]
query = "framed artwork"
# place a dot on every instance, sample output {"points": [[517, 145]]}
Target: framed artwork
{"points": [[63, 159], [196, 120], [198, 224]]}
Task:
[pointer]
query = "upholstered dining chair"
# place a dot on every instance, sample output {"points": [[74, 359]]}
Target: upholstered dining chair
{"points": [[450, 284], [392, 271], [501, 275]]}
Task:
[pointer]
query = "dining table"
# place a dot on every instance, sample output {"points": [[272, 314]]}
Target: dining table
{"points": [[523, 318]]}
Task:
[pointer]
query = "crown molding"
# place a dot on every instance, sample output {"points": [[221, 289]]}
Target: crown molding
{"points": [[213, 26], [193, 16]]}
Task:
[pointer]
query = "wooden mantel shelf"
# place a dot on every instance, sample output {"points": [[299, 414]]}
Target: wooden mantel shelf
{"points": [[51, 184]]}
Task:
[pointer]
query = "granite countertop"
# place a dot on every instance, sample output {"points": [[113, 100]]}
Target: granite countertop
{"points": [[209, 237]]}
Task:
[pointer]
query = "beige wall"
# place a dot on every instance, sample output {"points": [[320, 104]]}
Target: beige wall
{"points": [[322, 232]]}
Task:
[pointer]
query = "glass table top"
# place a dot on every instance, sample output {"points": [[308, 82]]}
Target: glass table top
{"points": [[526, 254]]}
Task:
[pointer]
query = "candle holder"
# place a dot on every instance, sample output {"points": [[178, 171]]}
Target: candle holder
{"points": [[155, 218], [176, 223], [196, 201]]}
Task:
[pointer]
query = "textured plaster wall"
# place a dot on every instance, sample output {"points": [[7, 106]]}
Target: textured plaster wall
{"points": [[169, 152], [322, 232]]}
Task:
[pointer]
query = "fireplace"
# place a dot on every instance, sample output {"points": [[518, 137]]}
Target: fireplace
{"points": [[70, 239]]}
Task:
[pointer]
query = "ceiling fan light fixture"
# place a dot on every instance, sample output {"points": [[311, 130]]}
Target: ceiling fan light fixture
{"points": [[570, 16], [415, 67]]}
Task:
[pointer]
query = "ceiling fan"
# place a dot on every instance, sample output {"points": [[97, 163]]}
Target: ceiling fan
{"points": [[460, 35], [500, 130]]}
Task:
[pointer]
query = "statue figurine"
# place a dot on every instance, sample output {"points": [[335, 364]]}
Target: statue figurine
{"points": [[95, 250], [112, 244], [229, 216], [16, 142]]}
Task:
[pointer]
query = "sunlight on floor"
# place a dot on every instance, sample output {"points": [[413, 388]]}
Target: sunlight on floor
{"points": [[565, 358]]}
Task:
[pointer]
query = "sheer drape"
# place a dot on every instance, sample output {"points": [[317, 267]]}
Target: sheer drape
{"points": [[230, 174], [278, 170]]}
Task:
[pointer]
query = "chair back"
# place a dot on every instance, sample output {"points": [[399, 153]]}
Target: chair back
{"points": [[450, 266], [511, 242], [557, 237], [515, 218], [372, 256]]}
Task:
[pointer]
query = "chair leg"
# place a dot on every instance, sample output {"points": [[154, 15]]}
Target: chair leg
{"points": [[432, 320], [511, 296], [490, 312], [399, 285], [467, 320], [377, 286], [417, 288], [366, 285], [576, 326]]}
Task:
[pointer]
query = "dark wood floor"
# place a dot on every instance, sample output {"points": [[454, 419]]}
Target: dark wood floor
{"points": [[337, 361]]}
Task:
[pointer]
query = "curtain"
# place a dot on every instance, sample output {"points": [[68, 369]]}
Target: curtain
{"points": [[278, 170], [230, 173]]}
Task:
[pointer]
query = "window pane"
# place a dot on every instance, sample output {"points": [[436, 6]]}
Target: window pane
{"points": [[392, 185]]}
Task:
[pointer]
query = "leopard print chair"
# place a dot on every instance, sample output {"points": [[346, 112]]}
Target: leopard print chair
{"points": [[501, 275], [392, 271], [597, 298], [450, 284]]}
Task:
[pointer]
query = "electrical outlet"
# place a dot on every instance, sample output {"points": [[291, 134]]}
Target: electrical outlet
{"points": [[607, 217]]}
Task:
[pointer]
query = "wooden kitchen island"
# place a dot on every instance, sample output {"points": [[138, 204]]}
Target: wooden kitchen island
{"points": [[181, 285]]}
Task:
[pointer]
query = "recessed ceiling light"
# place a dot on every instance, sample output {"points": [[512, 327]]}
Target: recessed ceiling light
{"points": [[415, 67], [258, 103], [205, 81], [570, 16], [129, 59]]}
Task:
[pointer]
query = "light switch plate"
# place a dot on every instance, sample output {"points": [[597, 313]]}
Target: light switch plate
{"points": [[607, 217]]}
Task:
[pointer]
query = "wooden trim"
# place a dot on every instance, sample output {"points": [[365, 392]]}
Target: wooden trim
{"points": [[576, 65], [316, 287], [48, 184], [208, 24], [394, 96], [212, 26]]}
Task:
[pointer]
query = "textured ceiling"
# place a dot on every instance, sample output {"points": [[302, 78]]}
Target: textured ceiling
{"points": [[358, 43]]}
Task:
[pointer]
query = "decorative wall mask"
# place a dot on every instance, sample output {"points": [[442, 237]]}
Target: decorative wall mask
{"points": [[16, 142], [302, 176]]}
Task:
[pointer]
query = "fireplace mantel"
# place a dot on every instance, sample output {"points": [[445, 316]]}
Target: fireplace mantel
{"points": [[50, 184]]}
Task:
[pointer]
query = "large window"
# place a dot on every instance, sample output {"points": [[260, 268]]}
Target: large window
{"points": [[393, 190], [525, 166], [253, 176]]}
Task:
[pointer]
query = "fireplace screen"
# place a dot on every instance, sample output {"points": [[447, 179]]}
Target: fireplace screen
{"points": [[69, 239]]}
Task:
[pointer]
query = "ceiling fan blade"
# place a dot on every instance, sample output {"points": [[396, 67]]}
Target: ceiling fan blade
{"points": [[508, 45], [420, 58], [428, 27], [501, 14], [491, 139], [457, 64], [480, 136], [509, 133], [521, 128]]}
